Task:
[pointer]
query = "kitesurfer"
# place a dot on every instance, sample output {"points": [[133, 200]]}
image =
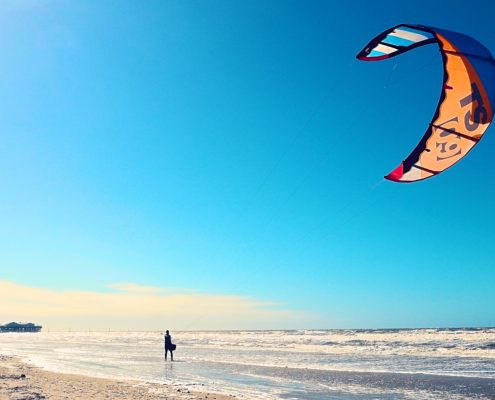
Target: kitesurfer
{"points": [[169, 346]]}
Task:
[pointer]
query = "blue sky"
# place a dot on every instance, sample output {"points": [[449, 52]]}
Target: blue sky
{"points": [[236, 148]]}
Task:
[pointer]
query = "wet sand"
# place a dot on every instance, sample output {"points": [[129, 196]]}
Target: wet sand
{"points": [[21, 381]]}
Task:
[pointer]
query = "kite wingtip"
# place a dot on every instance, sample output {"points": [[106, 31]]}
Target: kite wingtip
{"points": [[396, 174]]}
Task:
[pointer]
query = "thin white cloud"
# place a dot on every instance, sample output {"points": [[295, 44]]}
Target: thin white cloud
{"points": [[133, 288], [132, 306]]}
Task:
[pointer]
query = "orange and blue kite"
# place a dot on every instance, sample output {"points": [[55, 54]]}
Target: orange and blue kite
{"points": [[465, 109]]}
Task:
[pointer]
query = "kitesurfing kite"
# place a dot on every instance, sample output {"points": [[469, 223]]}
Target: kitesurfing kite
{"points": [[466, 106]]}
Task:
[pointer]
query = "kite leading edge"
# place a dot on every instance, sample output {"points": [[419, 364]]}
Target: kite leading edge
{"points": [[466, 105]]}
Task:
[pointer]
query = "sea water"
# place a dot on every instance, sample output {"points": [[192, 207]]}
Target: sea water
{"points": [[302, 364]]}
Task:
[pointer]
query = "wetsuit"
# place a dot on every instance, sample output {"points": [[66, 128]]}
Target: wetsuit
{"points": [[168, 347]]}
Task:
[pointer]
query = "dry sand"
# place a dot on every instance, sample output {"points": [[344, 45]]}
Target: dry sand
{"points": [[21, 381]]}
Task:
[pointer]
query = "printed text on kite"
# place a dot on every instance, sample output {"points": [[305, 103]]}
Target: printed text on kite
{"points": [[465, 108]]}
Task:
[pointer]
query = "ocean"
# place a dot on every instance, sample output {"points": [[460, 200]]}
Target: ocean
{"points": [[300, 364]]}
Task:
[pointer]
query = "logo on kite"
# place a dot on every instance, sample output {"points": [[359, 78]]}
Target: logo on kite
{"points": [[465, 108]]}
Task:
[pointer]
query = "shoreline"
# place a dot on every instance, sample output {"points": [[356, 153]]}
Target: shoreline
{"points": [[21, 380]]}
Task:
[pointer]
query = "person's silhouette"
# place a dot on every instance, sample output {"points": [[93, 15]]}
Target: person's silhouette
{"points": [[169, 346]]}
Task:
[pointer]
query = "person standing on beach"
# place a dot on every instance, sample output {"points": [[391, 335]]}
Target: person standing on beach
{"points": [[168, 346]]}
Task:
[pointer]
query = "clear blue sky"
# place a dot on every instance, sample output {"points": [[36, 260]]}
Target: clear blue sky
{"points": [[235, 147]]}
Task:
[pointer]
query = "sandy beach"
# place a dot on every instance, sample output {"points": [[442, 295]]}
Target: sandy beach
{"points": [[19, 380]]}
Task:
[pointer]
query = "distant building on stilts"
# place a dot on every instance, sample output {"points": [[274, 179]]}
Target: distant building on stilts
{"points": [[18, 327]]}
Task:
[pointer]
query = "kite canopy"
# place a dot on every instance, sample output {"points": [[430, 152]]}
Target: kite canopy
{"points": [[465, 109]]}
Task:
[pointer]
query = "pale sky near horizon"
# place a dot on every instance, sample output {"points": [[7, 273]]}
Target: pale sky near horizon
{"points": [[181, 155]]}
